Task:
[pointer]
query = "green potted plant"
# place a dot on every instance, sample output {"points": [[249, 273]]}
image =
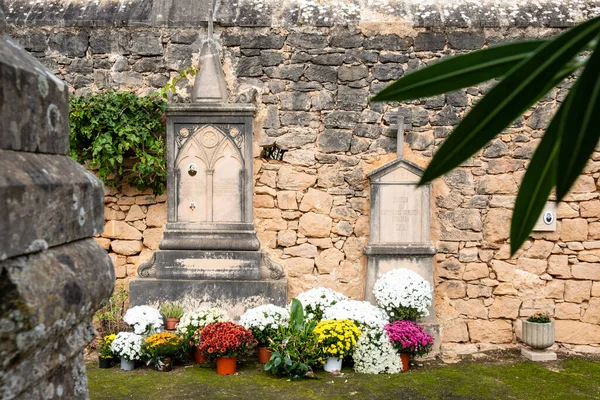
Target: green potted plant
{"points": [[160, 349], [172, 313], [538, 331], [105, 354], [295, 348]]}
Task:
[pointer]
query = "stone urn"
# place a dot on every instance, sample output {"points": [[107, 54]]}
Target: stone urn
{"points": [[538, 335]]}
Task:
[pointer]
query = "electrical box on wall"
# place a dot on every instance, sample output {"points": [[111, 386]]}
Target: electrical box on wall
{"points": [[547, 221]]}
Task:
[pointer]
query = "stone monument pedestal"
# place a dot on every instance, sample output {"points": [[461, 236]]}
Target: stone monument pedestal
{"points": [[210, 253], [538, 355], [400, 227]]}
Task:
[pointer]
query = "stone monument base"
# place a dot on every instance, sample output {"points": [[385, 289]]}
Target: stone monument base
{"points": [[234, 296], [538, 355], [208, 264]]}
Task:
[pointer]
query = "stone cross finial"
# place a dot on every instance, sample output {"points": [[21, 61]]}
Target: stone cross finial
{"points": [[400, 137], [210, 19]]}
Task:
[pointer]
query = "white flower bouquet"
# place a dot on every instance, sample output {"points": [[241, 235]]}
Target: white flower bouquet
{"points": [[363, 313], [375, 354], [316, 300], [194, 320], [144, 320], [403, 294], [264, 321], [128, 345]]}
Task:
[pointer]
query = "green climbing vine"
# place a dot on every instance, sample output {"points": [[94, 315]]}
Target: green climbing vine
{"points": [[121, 136]]}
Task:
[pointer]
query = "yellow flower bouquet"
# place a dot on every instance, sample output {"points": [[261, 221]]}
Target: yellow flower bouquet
{"points": [[337, 339], [160, 349]]}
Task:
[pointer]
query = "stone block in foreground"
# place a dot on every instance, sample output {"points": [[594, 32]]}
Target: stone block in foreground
{"points": [[53, 274]]}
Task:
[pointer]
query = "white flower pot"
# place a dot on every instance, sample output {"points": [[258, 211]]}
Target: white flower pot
{"points": [[333, 364], [127, 365], [538, 335]]}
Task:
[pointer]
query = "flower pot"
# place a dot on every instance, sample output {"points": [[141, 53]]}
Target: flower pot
{"points": [[226, 365], [538, 335], [172, 323], [264, 354], [333, 364], [164, 364], [404, 358], [127, 365], [199, 356], [104, 362]]}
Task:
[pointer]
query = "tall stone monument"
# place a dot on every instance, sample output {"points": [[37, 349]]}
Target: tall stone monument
{"points": [[400, 225], [53, 274], [210, 252]]}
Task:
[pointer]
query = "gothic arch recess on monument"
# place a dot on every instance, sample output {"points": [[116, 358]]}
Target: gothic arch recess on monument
{"points": [[209, 167]]}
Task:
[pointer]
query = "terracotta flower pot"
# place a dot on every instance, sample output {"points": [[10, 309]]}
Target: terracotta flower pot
{"points": [[226, 365], [172, 323], [538, 335], [264, 354], [199, 356], [405, 358], [104, 362]]}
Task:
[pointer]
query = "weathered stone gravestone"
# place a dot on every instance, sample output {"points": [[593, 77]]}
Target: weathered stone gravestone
{"points": [[210, 251], [400, 225], [53, 274]]}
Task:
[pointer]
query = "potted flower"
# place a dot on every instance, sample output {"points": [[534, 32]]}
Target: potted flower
{"points": [[316, 300], [403, 294], [409, 339], [160, 349], [128, 346], [295, 347], [538, 331], [192, 323], [105, 354], [337, 339], [264, 321], [144, 320], [225, 341], [172, 313]]}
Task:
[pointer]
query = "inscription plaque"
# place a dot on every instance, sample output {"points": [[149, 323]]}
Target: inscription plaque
{"points": [[400, 214]]}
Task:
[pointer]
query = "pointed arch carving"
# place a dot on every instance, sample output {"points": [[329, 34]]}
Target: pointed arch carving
{"points": [[214, 192]]}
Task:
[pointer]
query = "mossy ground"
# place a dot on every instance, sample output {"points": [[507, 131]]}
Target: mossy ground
{"points": [[499, 377]]}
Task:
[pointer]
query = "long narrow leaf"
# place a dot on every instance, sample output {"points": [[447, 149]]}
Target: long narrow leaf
{"points": [[578, 146], [510, 98], [459, 71], [538, 181]]}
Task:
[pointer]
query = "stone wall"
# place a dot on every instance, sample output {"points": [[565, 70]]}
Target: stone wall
{"points": [[312, 208]]}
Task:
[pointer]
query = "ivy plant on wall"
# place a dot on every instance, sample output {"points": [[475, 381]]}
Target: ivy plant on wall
{"points": [[121, 136]]}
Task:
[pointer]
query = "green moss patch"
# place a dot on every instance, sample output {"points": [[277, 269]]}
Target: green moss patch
{"points": [[572, 378]]}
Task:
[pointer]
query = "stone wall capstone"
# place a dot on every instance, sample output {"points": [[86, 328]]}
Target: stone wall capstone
{"points": [[314, 78]]}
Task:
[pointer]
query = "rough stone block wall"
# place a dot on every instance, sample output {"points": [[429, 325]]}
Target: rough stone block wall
{"points": [[53, 275], [312, 209]]}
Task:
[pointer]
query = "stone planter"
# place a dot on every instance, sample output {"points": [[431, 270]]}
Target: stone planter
{"points": [[538, 335]]}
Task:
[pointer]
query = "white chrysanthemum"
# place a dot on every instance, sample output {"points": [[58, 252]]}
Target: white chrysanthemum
{"points": [[144, 320], [363, 313], [263, 317], [316, 300], [200, 318], [403, 288], [128, 345], [375, 354]]}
